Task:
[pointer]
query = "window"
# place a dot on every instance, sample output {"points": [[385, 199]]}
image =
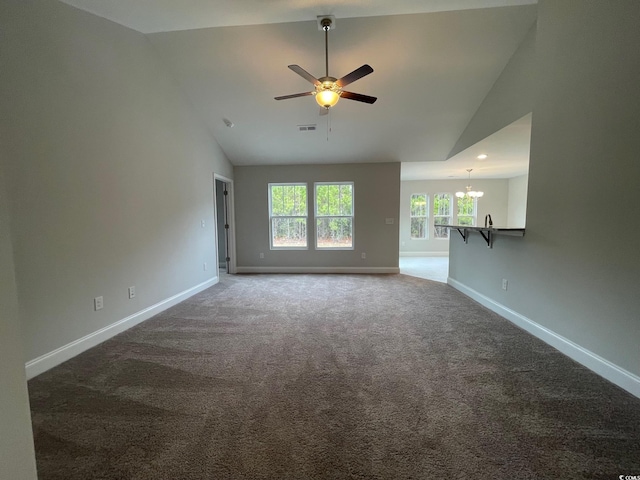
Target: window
{"points": [[419, 218], [288, 215], [441, 214], [467, 211], [334, 215]]}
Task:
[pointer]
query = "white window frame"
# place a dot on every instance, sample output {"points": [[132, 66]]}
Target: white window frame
{"points": [[435, 216], [425, 216], [317, 217], [474, 217], [271, 216]]}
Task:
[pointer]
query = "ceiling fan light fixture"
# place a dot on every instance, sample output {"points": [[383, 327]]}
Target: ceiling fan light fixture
{"points": [[327, 98]]}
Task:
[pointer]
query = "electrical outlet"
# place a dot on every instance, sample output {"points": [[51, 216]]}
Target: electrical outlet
{"points": [[202, 223], [363, 255], [388, 221], [132, 292], [505, 283], [261, 255], [98, 303], [204, 266]]}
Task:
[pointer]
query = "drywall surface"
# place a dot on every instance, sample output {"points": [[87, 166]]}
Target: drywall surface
{"points": [[494, 202], [576, 270], [517, 211], [17, 459], [510, 97], [109, 173], [376, 198]]}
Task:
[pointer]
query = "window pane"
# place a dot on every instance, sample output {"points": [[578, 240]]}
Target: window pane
{"points": [[289, 200], [346, 200], [334, 199], [465, 220], [466, 206], [467, 211], [322, 199], [441, 232], [418, 205], [289, 232], [418, 228], [442, 204], [335, 232]]}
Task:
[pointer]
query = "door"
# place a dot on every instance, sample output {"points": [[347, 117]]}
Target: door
{"points": [[222, 227]]}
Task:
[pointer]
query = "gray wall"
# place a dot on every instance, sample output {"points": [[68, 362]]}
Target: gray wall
{"points": [[17, 461], [517, 206], [109, 173], [576, 271], [494, 201], [377, 194], [510, 97]]}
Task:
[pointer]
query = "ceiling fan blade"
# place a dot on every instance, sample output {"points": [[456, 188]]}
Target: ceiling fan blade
{"points": [[353, 76], [295, 95], [358, 97], [304, 74], [324, 111]]}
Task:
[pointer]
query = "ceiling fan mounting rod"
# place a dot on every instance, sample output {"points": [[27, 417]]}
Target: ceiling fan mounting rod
{"points": [[326, 26]]}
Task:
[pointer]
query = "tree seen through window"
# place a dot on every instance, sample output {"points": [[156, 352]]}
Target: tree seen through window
{"points": [[419, 218], [288, 215], [441, 214], [334, 215]]}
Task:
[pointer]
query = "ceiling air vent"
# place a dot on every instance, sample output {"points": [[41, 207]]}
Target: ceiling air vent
{"points": [[307, 128]]}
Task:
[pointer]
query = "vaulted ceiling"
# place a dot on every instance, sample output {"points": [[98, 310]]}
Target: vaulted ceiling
{"points": [[434, 62]]}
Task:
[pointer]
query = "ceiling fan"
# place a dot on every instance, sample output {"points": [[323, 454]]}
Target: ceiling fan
{"points": [[328, 90]]}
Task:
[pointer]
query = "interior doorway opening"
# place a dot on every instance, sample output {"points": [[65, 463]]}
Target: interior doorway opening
{"points": [[222, 189]]}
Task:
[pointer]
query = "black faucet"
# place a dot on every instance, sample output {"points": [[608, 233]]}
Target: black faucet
{"points": [[488, 216]]}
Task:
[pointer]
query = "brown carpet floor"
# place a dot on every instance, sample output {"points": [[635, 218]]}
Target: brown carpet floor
{"points": [[330, 377]]}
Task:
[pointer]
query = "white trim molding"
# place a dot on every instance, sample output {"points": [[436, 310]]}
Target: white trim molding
{"points": [[601, 366], [365, 270], [56, 357], [424, 254]]}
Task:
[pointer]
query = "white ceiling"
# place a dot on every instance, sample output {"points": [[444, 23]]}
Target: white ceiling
{"points": [[434, 62], [152, 16], [507, 153]]}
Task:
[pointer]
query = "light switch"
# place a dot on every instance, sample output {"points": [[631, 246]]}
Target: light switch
{"points": [[98, 303]]}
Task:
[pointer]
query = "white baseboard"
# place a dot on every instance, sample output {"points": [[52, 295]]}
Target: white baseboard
{"points": [[368, 270], [56, 357], [603, 367], [424, 254]]}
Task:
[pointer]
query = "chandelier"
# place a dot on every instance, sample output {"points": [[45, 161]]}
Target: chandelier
{"points": [[469, 192]]}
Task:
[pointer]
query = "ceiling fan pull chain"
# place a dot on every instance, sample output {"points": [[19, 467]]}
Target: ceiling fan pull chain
{"points": [[328, 123]]}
